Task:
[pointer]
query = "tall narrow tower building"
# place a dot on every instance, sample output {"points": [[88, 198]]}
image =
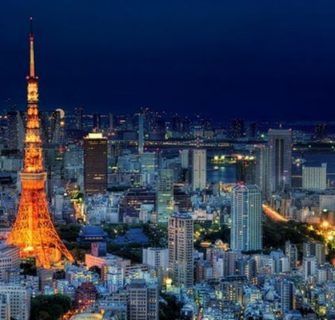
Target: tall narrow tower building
{"points": [[33, 231], [280, 161]]}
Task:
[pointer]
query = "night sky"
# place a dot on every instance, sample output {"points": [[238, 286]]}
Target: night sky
{"points": [[225, 58]]}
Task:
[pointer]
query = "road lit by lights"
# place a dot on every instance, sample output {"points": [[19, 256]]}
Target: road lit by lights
{"points": [[273, 214]]}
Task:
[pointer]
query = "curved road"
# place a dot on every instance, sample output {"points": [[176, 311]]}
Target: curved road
{"points": [[272, 214]]}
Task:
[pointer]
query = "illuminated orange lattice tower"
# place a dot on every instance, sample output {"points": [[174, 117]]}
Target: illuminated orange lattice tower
{"points": [[33, 231]]}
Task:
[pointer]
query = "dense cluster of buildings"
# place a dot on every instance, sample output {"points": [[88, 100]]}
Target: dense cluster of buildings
{"points": [[149, 169]]}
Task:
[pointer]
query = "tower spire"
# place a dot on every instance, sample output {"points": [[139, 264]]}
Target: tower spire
{"points": [[33, 231], [31, 51]]}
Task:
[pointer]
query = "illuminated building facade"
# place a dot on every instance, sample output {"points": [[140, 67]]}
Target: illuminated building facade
{"points": [[95, 163], [180, 244], [33, 231], [164, 200], [246, 229], [199, 169]]}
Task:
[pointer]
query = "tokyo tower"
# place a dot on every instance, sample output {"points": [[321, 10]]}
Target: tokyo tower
{"points": [[33, 231]]}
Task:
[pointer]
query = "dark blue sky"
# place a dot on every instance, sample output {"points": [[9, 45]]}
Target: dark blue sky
{"points": [[226, 58]]}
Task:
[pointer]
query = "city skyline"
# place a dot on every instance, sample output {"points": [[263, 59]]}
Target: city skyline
{"points": [[156, 216], [224, 58]]}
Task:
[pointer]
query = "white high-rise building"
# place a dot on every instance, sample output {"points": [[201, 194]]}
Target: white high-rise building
{"points": [[199, 169], [19, 301], [180, 243], [246, 229], [314, 178], [156, 257]]}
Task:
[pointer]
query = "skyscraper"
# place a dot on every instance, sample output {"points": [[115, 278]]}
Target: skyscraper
{"points": [[180, 243], [246, 229], [95, 163], [164, 199], [262, 170], [33, 231], [280, 159], [199, 169]]}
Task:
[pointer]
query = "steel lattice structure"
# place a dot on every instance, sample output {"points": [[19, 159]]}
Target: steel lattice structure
{"points": [[33, 231]]}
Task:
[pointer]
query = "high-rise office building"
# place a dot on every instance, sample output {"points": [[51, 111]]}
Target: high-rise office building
{"points": [[19, 301], [199, 169], [142, 300], [180, 243], [314, 178], [262, 170], [246, 229], [95, 163], [164, 198], [280, 159]]}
